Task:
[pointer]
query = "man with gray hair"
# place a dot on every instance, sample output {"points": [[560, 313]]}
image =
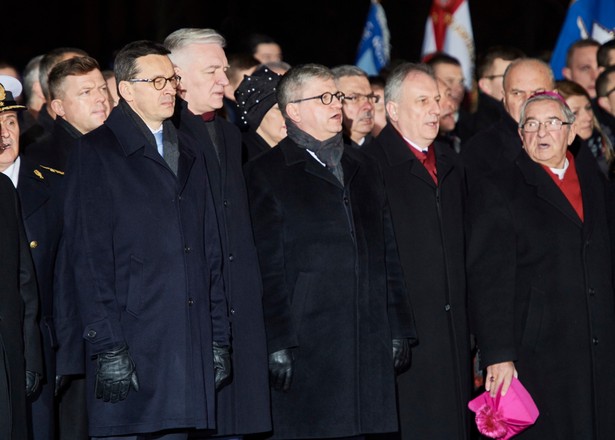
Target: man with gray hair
{"points": [[499, 144], [425, 186], [199, 58], [540, 277], [358, 105], [336, 311]]}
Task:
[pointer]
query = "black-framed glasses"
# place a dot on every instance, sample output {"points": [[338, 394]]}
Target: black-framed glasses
{"points": [[359, 98], [326, 98], [159, 82], [533, 126]]}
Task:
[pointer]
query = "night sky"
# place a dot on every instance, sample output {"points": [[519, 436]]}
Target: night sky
{"points": [[326, 32]]}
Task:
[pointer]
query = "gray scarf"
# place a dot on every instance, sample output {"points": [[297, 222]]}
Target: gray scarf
{"points": [[329, 152]]}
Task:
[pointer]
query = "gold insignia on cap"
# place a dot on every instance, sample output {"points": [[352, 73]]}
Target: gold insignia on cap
{"points": [[2, 94], [38, 174], [33, 244]]}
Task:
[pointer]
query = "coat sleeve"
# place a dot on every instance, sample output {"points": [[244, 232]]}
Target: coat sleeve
{"points": [[401, 315], [88, 231], [268, 225], [491, 271], [213, 252], [29, 293]]}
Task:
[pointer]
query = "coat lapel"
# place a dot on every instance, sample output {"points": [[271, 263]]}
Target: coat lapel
{"points": [[294, 155], [398, 153], [33, 190], [546, 189]]}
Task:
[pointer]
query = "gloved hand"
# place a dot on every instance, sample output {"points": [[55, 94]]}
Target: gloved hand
{"points": [[32, 381], [61, 384], [402, 355], [281, 369], [115, 374], [222, 365]]}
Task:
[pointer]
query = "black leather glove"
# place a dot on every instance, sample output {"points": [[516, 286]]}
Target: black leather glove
{"points": [[222, 365], [61, 384], [32, 381], [402, 355], [281, 369], [115, 374]]}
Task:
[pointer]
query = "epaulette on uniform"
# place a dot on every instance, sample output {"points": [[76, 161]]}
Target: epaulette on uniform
{"points": [[53, 170]]}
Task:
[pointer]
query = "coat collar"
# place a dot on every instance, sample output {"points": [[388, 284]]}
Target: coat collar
{"points": [[294, 155], [547, 190], [398, 153]]}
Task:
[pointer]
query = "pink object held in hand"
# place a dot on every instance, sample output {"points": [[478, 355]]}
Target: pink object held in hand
{"points": [[503, 417]]}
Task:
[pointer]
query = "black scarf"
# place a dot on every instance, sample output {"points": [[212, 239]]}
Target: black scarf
{"points": [[329, 152]]}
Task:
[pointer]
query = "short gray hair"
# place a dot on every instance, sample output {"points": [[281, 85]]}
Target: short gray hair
{"points": [[348, 70], [548, 96], [181, 38], [395, 80], [292, 82]]}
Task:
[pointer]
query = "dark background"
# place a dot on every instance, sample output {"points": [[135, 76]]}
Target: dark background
{"points": [[326, 32]]}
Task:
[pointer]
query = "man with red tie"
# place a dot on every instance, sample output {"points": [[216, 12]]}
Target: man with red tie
{"points": [[426, 191]]}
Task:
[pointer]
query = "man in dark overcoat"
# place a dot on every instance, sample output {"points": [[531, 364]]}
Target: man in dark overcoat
{"points": [[337, 315], [20, 357], [499, 144], [540, 278], [426, 190], [39, 191], [243, 404], [141, 234]]}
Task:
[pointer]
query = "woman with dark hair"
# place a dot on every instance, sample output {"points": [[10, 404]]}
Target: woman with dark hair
{"points": [[589, 131]]}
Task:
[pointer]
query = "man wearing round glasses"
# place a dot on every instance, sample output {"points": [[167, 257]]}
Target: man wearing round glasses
{"points": [[540, 277], [336, 312], [358, 107], [142, 249]]}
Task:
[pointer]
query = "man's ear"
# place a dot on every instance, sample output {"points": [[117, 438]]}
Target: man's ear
{"points": [[292, 110], [567, 73], [58, 107], [391, 108], [125, 90]]}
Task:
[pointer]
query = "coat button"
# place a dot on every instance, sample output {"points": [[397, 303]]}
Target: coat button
{"points": [[595, 341], [225, 203], [33, 244], [187, 249], [190, 301], [346, 201], [92, 334], [447, 307], [232, 311], [591, 291], [179, 198], [230, 257]]}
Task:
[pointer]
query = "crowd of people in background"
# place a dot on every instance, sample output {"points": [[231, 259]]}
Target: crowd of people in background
{"points": [[197, 244]]}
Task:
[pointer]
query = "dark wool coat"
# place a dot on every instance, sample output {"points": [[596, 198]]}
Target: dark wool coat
{"points": [[20, 345], [541, 294], [333, 290], [491, 149], [53, 150], [40, 194], [145, 249], [253, 144], [433, 394], [243, 405]]}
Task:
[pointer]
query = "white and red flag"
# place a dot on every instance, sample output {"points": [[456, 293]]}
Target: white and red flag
{"points": [[449, 29]]}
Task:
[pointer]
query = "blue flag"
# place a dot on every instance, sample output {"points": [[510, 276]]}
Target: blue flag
{"points": [[585, 19], [374, 50]]}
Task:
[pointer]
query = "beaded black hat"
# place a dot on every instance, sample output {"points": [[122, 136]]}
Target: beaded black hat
{"points": [[255, 95]]}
